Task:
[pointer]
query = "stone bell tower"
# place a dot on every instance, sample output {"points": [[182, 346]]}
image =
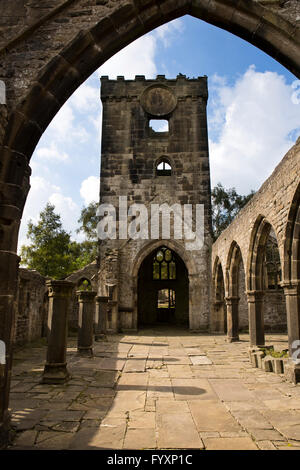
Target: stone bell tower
{"points": [[149, 167]]}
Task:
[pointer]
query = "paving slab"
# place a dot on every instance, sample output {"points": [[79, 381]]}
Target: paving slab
{"points": [[211, 415], [193, 389], [224, 443], [200, 360], [231, 390], [177, 431], [140, 439]]}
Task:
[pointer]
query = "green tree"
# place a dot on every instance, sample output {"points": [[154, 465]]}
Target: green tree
{"points": [[49, 252], [83, 253], [88, 221], [87, 251], [226, 203]]}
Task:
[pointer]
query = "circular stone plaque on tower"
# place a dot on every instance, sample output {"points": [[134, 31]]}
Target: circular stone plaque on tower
{"points": [[158, 100]]}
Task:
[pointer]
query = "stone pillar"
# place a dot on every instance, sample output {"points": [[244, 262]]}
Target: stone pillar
{"points": [[86, 301], [292, 298], [55, 371], [101, 317], [219, 323], [232, 306], [111, 282], [12, 200], [256, 317], [9, 263], [112, 316]]}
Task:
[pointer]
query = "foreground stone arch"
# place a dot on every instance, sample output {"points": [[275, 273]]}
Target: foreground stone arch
{"points": [[49, 51]]}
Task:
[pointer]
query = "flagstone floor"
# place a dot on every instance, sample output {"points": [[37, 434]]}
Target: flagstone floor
{"points": [[157, 389]]}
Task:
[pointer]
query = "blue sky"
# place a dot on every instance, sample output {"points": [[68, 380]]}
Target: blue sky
{"points": [[253, 116]]}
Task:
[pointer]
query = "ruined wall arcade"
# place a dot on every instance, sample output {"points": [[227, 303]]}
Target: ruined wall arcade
{"points": [[275, 206]]}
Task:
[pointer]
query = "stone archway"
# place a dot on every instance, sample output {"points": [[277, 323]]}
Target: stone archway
{"points": [[258, 278], [218, 321], [163, 289], [291, 281], [92, 36], [191, 276], [234, 261]]}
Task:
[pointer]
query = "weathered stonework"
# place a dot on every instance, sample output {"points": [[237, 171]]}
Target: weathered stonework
{"points": [[131, 153], [275, 207], [32, 307]]}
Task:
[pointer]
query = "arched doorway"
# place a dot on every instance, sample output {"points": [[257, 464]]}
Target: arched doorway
{"points": [[219, 311], [163, 289]]}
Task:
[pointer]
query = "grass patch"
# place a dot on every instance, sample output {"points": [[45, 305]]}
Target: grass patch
{"points": [[276, 354]]}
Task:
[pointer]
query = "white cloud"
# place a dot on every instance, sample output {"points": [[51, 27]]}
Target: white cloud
{"points": [[51, 153], [167, 31], [62, 123], [135, 59], [255, 118], [67, 209], [86, 98], [42, 192], [89, 189]]}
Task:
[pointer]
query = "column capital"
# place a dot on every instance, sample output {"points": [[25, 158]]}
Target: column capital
{"points": [[291, 287], [86, 295], [255, 295], [232, 298], [59, 288], [102, 299]]}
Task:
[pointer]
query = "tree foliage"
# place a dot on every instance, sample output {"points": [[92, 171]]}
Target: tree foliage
{"points": [[88, 221], [49, 252], [52, 252], [226, 203]]}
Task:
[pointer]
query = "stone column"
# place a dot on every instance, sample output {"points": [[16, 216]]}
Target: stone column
{"points": [[12, 197], [9, 263], [292, 298], [256, 317], [218, 324], [55, 371], [232, 306], [101, 317], [86, 301], [112, 316]]}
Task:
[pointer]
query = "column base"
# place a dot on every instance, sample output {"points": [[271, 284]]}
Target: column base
{"points": [[5, 431], [100, 337], [292, 372], [232, 339], [55, 374], [85, 352]]}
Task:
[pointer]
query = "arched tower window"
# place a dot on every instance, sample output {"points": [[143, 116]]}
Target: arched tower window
{"points": [[164, 265], [163, 168]]}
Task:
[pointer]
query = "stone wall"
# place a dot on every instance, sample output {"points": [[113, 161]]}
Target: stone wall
{"points": [[131, 152], [32, 307]]}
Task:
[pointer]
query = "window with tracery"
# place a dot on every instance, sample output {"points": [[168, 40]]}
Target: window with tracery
{"points": [[163, 168], [272, 264], [164, 265]]}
